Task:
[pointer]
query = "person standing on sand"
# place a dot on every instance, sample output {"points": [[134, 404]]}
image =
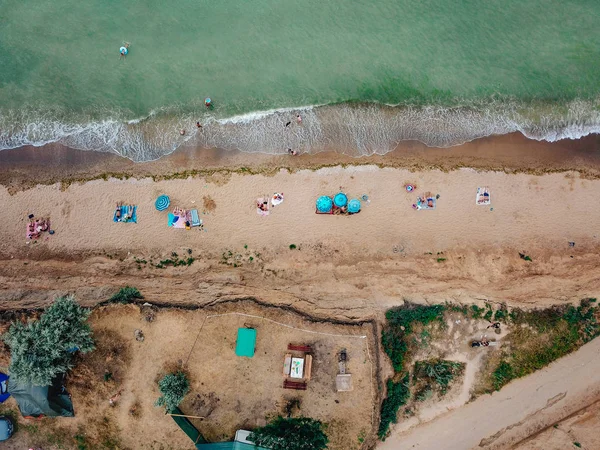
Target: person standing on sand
{"points": [[299, 119], [292, 152]]}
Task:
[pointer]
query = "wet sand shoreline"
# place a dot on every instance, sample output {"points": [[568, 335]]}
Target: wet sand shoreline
{"points": [[27, 166]]}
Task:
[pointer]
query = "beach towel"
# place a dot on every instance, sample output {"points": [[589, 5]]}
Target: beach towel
{"points": [[260, 212], [483, 196], [179, 220], [195, 219], [124, 208], [425, 203], [277, 199]]}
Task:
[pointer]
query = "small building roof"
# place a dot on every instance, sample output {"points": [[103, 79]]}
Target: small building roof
{"points": [[246, 342]]}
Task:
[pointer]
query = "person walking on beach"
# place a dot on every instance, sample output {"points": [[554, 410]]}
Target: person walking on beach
{"points": [[299, 119], [288, 124], [292, 152]]}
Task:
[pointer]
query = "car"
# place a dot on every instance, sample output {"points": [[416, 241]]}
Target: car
{"points": [[6, 428]]}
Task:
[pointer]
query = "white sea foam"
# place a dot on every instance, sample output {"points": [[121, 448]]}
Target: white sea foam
{"points": [[359, 130]]}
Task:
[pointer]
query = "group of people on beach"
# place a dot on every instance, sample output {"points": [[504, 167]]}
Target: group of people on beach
{"points": [[123, 217], [36, 227]]}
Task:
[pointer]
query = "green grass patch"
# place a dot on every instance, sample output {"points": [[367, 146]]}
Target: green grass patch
{"points": [[550, 334], [436, 374], [126, 294], [397, 396], [400, 324]]}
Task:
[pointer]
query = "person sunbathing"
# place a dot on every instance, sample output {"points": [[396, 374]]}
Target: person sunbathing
{"points": [[128, 214], [118, 211], [45, 224]]}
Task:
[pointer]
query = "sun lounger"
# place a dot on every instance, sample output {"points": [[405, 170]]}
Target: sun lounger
{"points": [[195, 219]]}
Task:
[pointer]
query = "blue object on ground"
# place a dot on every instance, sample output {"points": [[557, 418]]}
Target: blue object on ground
{"points": [[133, 217], [195, 219], [4, 394], [354, 206], [324, 204], [340, 200], [162, 202], [172, 219], [6, 428]]}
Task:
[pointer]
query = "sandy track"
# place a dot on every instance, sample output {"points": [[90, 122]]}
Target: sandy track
{"points": [[520, 409]]}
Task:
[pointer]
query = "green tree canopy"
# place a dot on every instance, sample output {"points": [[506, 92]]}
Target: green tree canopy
{"points": [[302, 433], [173, 387], [42, 349]]}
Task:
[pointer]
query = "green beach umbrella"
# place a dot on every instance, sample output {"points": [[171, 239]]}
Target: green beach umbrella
{"points": [[162, 202], [324, 204], [340, 200], [354, 206]]}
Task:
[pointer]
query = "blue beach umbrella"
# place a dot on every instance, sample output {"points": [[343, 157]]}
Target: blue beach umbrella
{"points": [[324, 204], [162, 202], [354, 206], [340, 199]]}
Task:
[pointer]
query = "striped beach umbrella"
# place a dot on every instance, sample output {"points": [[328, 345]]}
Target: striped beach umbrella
{"points": [[324, 204], [162, 202], [354, 206], [340, 200]]}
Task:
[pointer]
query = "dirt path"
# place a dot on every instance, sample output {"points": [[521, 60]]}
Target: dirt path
{"points": [[522, 408]]}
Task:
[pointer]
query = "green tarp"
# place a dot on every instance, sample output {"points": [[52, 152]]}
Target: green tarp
{"points": [[228, 446], [246, 342], [36, 401], [187, 427]]}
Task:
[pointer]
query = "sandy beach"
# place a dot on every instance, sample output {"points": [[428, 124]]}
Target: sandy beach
{"points": [[536, 244], [390, 251]]}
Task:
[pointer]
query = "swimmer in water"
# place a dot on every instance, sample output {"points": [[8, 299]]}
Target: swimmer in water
{"points": [[198, 125], [124, 50]]}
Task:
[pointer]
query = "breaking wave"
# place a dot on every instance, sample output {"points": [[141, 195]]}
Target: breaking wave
{"points": [[356, 129]]}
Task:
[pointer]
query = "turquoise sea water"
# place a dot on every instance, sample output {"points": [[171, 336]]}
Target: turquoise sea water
{"points": [[440, 71]]}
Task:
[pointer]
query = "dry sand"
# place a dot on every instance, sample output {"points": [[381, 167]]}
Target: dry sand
{"points": [[345, 268], [388, 251]]}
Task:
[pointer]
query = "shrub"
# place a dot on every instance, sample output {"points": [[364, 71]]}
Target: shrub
{"points": [[397, 396], [126, 295], [400, 322], [173, 387], [302, 433], [438, 371], [43, 349]]}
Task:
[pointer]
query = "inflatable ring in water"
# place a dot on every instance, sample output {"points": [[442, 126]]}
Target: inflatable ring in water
{"points": [[123, 50]]}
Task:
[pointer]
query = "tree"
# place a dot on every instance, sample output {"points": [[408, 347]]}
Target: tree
{"points": [[302, 433], [173, 387], [42, 349]]}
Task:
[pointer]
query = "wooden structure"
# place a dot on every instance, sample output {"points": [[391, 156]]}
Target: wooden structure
{"points": [[297, 366]]}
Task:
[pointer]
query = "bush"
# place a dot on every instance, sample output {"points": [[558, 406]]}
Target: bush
{"points": [[561, 330], [173, 387], [438, 371], [126, 295], [397, 396], [301, 433], [400, 322], [43, 349]]}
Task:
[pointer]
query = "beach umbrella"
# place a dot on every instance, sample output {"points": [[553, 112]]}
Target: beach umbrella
{"points": [[162, 202], [340, 200], [354, 206], [324, 204]]}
